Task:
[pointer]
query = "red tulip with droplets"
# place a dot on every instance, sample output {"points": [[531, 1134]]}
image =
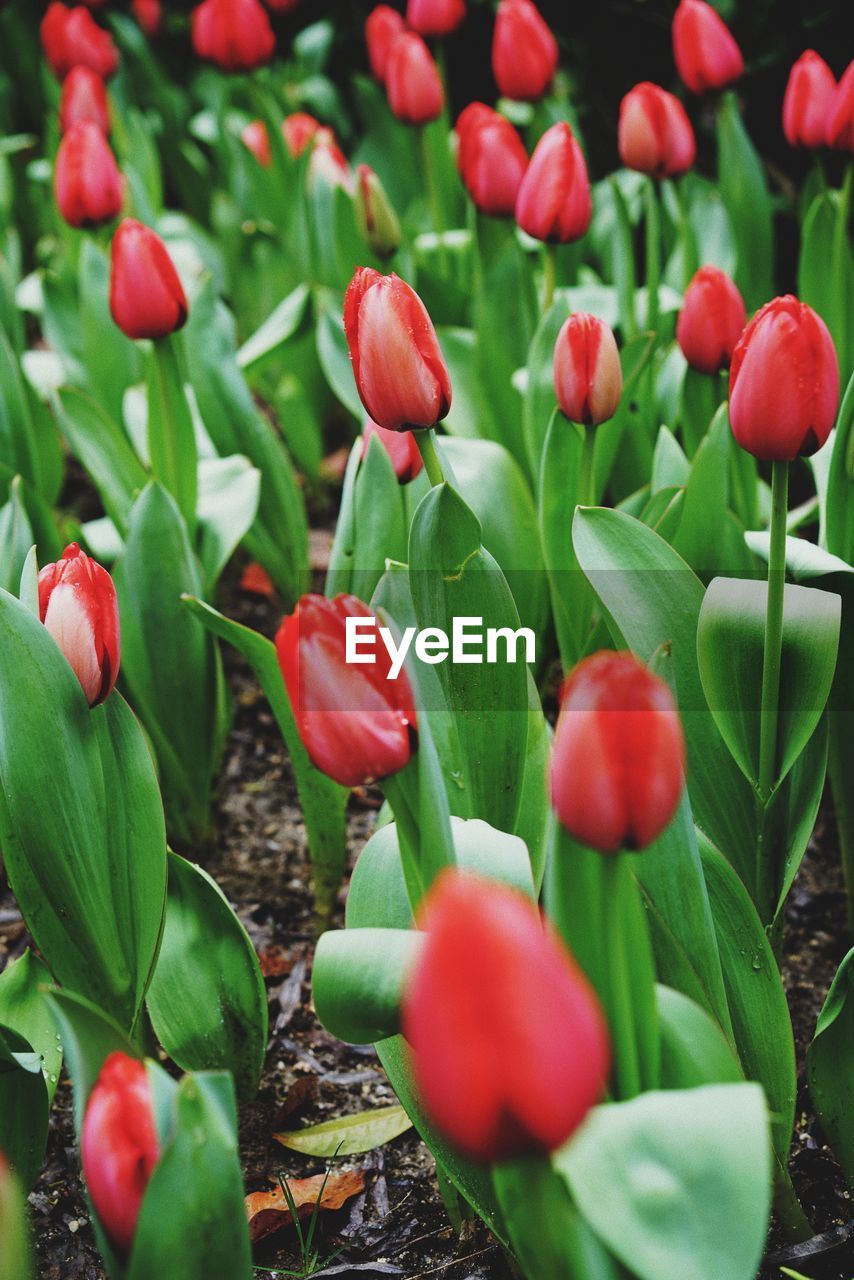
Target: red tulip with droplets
{"points": [[654, 133], [711, 321], [491, 158], [84, 97], [524, 51], [401, 447], [147, 298], [553, 203], [840, 119], [382, 27], [412, 81], [78, 606], [588, 376], [72, 38], [706, 53], [86, 180], [435, 17], [808, 100], [256, 139], [234, 34]]}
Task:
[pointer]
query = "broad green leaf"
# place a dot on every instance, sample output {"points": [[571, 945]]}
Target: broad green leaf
{"points": [[744, 190], [281, 325], [379, 530], [335, 357], [16, 537], [830, 1066], [110, 361], [16, 1262], [506, 313], [18, 444], [825, 271], [88, 1038], [466, 418], [348, 1135], [229, 489], [694, 1050], [104, 450], [24, 1008], [172, 448], [24, 1105], [358, 978]]}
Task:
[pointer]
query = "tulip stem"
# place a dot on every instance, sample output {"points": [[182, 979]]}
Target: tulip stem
{"points": [[653, 254], [773, 630], [549, 276], [839, 254], [429, 456], [618, 981], [434, 199], [587, 474]]}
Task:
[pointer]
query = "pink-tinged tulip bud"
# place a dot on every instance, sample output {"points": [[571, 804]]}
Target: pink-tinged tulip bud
{"points": [[783, 382], [147, 298], [356, 723], [587, 372], [491, 159], [299, 130], [149, 15], [84, 98], [86, 180], [435, 17], [618, 760], [412, 81], [711, 321], [553, 203], [807, 101], [524, 51], [654, 134], [840, 119], [505, 1065], [256, 139], [398, 365], [118, 1146], [78, 606], [72, 38], [375, 214], [382, 27], [328, 163], [706, 54], [401, 448], [235, 34]]}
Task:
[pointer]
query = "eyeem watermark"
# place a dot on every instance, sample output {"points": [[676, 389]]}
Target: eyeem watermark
{"points": [[469, 642]]}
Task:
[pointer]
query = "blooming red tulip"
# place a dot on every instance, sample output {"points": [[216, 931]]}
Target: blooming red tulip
{"points": [[491, 159], [412, 81], [382, 27], [807, 101], [356, 723], [72, 38], [86, 180], [711, 321], [78, 606], [524, 51], [618, 761], [84, 97], [401, 448], [235, 34], [149, 15], [119, 1146], [655, 134], [707, 56], [553, 203], [840, 119], [435, 17], [299, 130], [783, 382], [587, 372], [256, 139], [398, 365], [509, 1044], [146, 296]]}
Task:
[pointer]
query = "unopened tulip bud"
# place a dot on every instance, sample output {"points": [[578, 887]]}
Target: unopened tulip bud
{"points": [[840, 119], [808, 100], [299, 131], [435, 17], [711, 321], [524, 51], [509, 1044], [588, 376], [377, 220], [654, 134], [491, 159], [235, 34], [84, 98], [119, 1146], [706, 54], [147, 298], [401, 447], [72, 38], [553, 203], [328, 163], [400, 373], [149, 15], [618, 760], [256, 139], [86, 180], [78, 606], [783, 382], [412, 81], [382, 27]]}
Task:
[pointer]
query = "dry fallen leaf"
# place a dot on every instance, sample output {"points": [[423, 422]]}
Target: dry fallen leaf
{"points": [[268, 1211]]}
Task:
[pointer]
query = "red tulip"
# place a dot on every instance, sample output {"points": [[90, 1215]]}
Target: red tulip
{"points": [[382, 27], [256, 139], [655, 134], [398, 365], [840, 120], [86, 180], [784, 382], [412, 81], [707, 56], [119, 1146], [524, 51], [435, 17], [356, 723], [401, 448], [711, 321], [149, 15], [587, 372], [618, 760], [807, 101], [84, 97], [235, 34], [146, 296], [282, 6], [78, 606], [491, 159], [553, 203], [72, 38], [299, 130], [509, 1044]]}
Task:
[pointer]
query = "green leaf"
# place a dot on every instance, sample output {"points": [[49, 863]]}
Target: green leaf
{"points": [[276, 330], [358, 978], [171, 434], [826, 275], [24, 1008], [104, 450], [348, 1135], [742, 184], [16, 537], [88, 1038], [16, 1261], [24, 1106], [540, 392], [694, 1050], [830, 1066], [19, 448], [838, 504], [334, 356], [229, 489], [110, 361]]}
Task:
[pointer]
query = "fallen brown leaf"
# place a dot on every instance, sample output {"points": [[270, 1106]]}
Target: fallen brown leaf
{"points": [[268, 1211]]}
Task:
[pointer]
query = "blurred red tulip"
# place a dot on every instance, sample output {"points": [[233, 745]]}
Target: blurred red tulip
{"points": [[808, 100], [509, 1043], [707, 56], [524, 51], [553, 203], [398, 365], [84, 97], [328, 163], [783, 382], [401, 448], [256, 580], [282, 6], [146, 296], [72, 38], [382, 27], [256, 139], [149, 15], [655, 134], [86, 179], [235, 34], [588, 376], [840, 120], [356, 724], [711, 321], [299, 130], [491, 159], [412, 81], [78, 606], [435, 17]]}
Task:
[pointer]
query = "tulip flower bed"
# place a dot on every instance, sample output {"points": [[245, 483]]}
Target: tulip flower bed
{"points": [[426, 694]]}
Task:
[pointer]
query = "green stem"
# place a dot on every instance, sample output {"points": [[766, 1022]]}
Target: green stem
{"points": [[476, 260], [171, 434], [653, 254], [408, 840], [839, 769], [549, 276], [434, 197], [788, 1211], [690, 260], [839, 275], [773, 630], [587, 474], [626, 1070], [429, 456]]}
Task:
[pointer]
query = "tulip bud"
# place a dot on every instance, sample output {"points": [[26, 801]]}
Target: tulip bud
{"points": [[377, 219], [553, 203], [149, 15], [509, 1044], [356, 723], [524, 51], [398, 365], [382, 27], [299, 130], [491, 159], [783, 382], [711, 321], [706, 54], [72, 38], [255, 138], [146, 296], [435, 17], [86, 180], [654, 133], [84, 98], [328, 163], [401, 448], [119, 1146], [618, 760], [78, 606], [840, 119], [587, 372], [235, 34], [412, 81], [807, 101]]}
